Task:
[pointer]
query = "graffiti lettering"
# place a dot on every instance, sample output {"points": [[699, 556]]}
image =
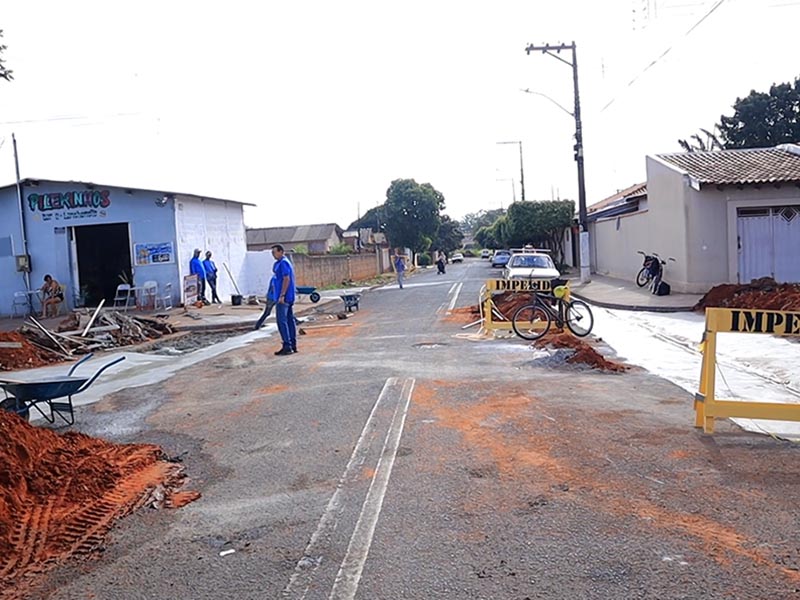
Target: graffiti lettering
{"points": [[68, 200]]}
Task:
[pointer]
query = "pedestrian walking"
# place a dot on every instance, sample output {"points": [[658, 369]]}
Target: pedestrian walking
{"points": [[211, 276], [282, 284], [441, 261], [196, 268], [400, 268]]}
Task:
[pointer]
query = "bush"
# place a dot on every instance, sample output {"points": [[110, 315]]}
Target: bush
{"points": [[300, 249], [469, 252], [423, 259], [342, 248]]}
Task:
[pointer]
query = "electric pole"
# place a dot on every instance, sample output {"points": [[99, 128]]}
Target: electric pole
{"points": [[554, 51], [521, 169]]}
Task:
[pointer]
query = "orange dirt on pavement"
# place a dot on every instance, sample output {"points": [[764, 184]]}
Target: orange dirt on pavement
{"points": [[764, 293], [26, 357], [585, 353], [60, 494]]}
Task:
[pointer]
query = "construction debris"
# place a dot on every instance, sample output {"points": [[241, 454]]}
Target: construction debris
{"points": [[77, 334], [764, 293]]}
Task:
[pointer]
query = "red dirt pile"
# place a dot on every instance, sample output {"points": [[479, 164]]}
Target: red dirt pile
{"points": [[584, 352], [26, 357], [765, 293], [60, 494]]}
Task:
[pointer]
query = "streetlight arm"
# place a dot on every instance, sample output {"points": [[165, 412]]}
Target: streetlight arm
{"points": [[527, 91]]}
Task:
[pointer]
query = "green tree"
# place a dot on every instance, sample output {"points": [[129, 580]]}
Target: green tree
{"points": [[539, 223], [374, 218], [763, 120], [412, 214], [482, 218], [449, 236], [706, 142], [341, 248], [5, 72]]}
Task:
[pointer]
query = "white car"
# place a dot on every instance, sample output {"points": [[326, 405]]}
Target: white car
{"points": [[486, 253], [532, 265], [457, 257]]}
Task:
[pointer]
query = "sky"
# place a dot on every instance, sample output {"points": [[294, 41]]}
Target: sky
{"points": [[310, 109]]}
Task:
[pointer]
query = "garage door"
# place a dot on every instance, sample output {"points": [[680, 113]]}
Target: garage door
{"points": [[769, 243]]}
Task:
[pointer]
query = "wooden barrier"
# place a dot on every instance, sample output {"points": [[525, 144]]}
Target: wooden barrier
{"points": [[493, 319], [730, 320]]}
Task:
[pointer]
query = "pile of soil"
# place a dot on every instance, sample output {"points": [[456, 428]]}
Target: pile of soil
{"points": [[765, 293], [584, 352], [510, 302], [26, 357], [59, 494]]}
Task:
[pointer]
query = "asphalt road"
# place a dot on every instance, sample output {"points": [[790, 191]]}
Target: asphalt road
{"points": [[395, 457]]}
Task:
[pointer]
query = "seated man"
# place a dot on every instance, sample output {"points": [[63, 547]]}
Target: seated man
{"points": [[51, 296]]}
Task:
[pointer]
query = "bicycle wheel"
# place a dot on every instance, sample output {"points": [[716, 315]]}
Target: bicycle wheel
{"points": [[579, 317], [531, 322], [643, 278]]}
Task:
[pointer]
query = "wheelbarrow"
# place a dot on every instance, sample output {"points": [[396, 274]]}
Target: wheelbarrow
{"points": [[21, 396], [310, 291]]}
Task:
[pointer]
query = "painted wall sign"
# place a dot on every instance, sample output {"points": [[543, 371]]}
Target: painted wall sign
{"points": [[153, 254], [518, 285], [70, 205], [190, 289]]}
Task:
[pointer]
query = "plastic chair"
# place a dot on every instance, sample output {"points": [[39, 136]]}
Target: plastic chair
{"points": [[165, 299], [20, 300], [60, 305], [149, 295], [124, 296]]}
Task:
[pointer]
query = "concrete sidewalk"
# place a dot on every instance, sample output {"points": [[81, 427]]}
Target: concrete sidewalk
{"points": [[609, 292]]}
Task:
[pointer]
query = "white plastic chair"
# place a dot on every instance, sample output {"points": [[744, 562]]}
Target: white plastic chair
{"points": [[124, 296], [165, 299], [149, 294], [20, 300]]}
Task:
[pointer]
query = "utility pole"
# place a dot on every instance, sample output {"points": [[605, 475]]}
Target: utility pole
{"points": [[554, 51], [521, 169]]}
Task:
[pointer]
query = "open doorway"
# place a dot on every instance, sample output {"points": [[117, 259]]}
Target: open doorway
{"points": [[103, 260]]}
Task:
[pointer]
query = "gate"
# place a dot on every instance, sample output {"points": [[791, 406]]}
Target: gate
{"points": [[769, 242]]}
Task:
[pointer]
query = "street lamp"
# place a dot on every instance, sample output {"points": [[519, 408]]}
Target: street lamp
{"points": [[521, 170], [554, 51]]}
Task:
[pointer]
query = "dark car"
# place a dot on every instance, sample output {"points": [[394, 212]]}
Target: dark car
{"points": [[500, 258]]}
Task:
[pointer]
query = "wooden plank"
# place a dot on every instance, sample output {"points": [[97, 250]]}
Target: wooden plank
{"points": [[45, 331], [94, 316], [15, 345], [80, 332]]}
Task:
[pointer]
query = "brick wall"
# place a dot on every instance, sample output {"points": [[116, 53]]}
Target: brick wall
{"points": [[321, 271]]}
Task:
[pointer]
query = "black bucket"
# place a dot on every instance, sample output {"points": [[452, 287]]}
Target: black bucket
{"points": [[236, 300]]}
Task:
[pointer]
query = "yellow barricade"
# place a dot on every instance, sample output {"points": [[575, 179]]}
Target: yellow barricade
{"points": [[731, 320], [493, 319]]}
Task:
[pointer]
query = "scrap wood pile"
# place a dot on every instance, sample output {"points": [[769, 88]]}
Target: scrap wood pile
{"points": [[34, 345], [764, 293]]}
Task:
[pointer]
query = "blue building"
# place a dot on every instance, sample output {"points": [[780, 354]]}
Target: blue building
{"points": [[91, 237]]}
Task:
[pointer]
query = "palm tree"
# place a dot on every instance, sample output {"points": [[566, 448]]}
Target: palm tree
{"points": [[699, 144]]}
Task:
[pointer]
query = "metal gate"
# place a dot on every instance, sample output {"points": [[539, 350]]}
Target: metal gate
{"points": [[769, 243]]}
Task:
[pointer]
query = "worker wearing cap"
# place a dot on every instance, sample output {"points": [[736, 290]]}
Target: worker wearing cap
{"points": [[196, 268], [211, 276]]}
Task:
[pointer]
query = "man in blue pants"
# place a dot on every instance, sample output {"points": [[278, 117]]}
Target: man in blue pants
{"points": [[282, 284]]}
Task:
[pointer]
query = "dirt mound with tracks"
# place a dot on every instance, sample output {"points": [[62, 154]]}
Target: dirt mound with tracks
{"points": [[60, 494], [765, 293], [584, 353]]}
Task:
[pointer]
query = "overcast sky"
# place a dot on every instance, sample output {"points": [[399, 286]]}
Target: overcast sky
{"points": [[310, 109]]}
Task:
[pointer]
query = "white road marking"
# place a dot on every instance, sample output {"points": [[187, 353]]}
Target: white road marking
{"points": [[349, 576], [300, 580], [455, 297], [452, 287]]}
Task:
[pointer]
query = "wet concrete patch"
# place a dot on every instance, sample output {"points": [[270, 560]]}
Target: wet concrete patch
{"points": [[190, 342]]}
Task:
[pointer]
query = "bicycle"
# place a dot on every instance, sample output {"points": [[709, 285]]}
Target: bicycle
{"points": [[649, 269], [532, 321]]}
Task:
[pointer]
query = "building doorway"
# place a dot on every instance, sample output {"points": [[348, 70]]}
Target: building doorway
{"points": [[103, 259]]}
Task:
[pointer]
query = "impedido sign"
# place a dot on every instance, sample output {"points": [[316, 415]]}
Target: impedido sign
{"points": [[727, 320]]}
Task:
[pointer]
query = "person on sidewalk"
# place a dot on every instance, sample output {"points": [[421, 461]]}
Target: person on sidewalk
{"points": [[441, 261], [211, 276], [400, 268], [196, 268], [283, 283]]}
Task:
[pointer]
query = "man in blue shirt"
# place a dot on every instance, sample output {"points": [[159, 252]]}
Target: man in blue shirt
{"points": [[196, 268], [211, 276], [282, 290]]}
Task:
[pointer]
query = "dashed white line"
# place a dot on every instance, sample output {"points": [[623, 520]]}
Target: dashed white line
{"points": [[349, 575], [453, 301]]}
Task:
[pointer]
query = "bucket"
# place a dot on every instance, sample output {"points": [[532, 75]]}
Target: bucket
{"points": [[236, 300]]}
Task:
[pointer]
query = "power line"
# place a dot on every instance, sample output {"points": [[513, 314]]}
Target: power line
{"points": [[667, 51]]}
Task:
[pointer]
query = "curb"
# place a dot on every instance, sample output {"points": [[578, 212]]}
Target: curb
{"points": [[241, 325], [632, 307]]}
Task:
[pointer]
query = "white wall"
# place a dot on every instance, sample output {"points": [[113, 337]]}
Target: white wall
{"points": [[257, 272], [615, 242], [213, 225]]}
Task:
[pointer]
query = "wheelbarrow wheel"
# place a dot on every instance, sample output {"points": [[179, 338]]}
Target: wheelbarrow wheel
{"points": [[10, 404], [315, 297]]}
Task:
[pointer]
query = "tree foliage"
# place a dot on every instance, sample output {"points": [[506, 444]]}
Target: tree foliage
{"points": [[374, 218], [449, 237], [412, 213], [483, 218], [5, 72], [706, 142], [763, 120]]}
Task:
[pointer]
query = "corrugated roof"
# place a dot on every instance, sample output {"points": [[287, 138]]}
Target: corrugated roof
{"points": [[637, 190], [292, 235], [739, 167]]}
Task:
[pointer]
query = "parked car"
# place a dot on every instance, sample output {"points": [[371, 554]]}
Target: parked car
{"points": [[530, 265], [457, 257], [500, 258], [486, 253]]}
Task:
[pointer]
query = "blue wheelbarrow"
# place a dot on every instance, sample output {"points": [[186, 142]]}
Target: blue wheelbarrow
{"points": [[21, 396], [309, 291]]}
